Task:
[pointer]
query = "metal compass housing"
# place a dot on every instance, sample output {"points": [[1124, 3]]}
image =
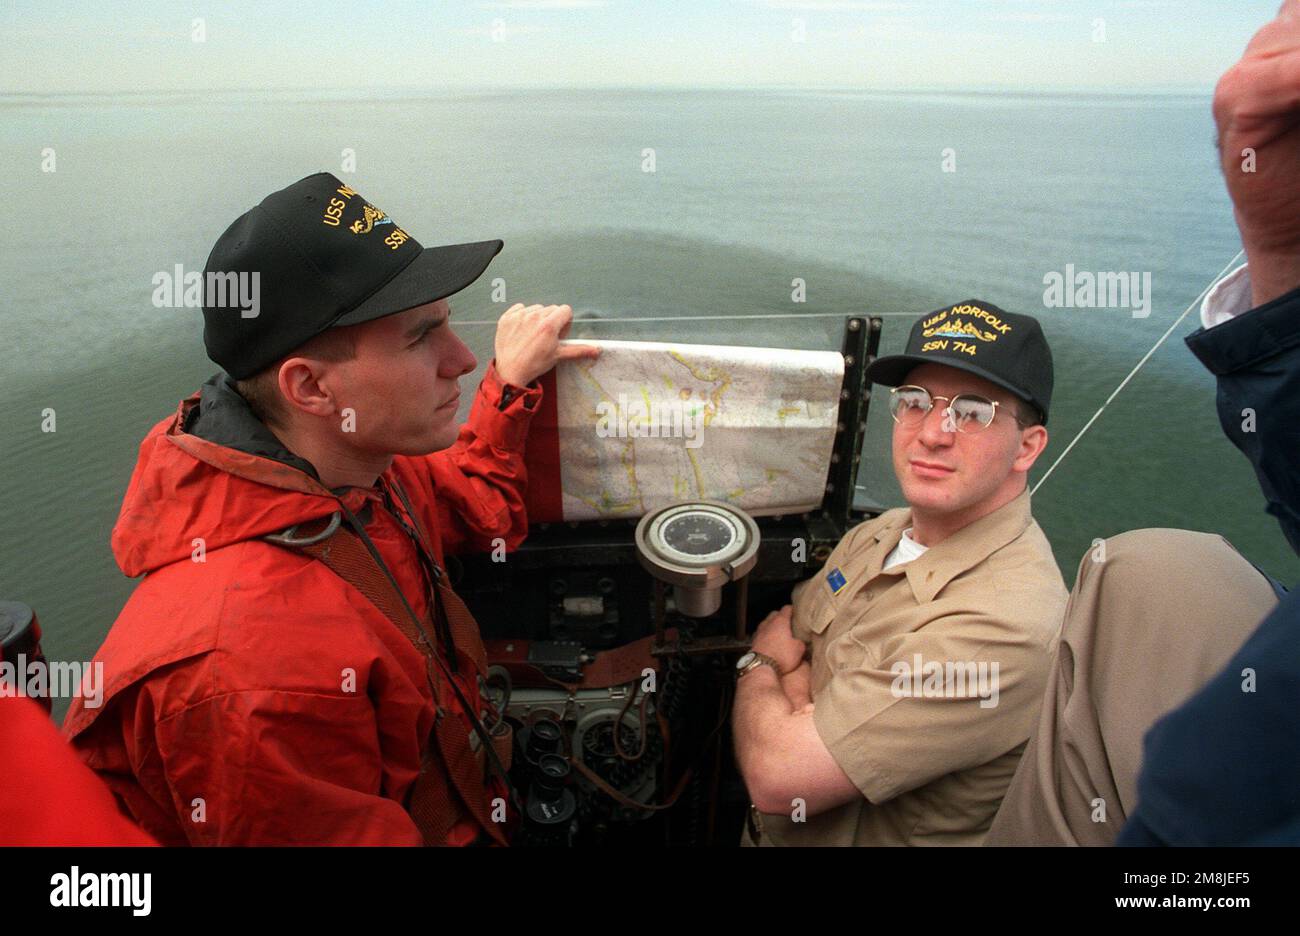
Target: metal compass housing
{"points": [[697, 547]]}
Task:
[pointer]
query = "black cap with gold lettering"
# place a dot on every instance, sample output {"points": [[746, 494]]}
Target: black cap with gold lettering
{"points": [[313, 256], [1007, 349]]}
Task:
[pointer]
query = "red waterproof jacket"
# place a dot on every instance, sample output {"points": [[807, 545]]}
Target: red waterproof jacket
{"points": [[251, 696], [49, 797]]}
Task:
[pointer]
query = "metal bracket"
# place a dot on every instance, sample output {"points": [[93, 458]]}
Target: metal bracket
{"points": [[861, 342], [290, 536]]}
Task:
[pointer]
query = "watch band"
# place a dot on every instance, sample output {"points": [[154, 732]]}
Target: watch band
{"points": [[759, 659]]}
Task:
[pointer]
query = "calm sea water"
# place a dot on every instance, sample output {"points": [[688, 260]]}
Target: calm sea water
{"points": [[750, 190]]}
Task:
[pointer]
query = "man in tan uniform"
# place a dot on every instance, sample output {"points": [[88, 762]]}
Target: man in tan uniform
{"points": [[929, 632]]}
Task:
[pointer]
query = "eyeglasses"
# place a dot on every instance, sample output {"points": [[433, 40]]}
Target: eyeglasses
{"points": [[965, 413]]}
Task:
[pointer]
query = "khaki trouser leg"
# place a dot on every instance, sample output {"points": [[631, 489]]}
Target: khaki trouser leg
{"points": [[1146, 626], [751, 833]]}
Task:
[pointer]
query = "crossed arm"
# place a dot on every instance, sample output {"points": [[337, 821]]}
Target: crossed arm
{"points": [[780, 754]]}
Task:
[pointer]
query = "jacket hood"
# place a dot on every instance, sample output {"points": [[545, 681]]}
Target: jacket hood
{"points": [[215, 473]]}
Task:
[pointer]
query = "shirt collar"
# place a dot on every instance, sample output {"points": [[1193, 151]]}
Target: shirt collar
{"points": [[968, 547]]}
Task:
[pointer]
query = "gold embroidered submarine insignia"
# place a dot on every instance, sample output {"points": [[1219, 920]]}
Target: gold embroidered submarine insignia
{"points": [[365, 224]]}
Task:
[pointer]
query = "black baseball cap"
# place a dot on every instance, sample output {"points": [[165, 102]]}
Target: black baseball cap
{"points": [[319, 255], [1004, 348]]}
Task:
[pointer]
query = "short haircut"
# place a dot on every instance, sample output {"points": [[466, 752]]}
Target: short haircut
{"points": [[1027, 414], [262, 390]]}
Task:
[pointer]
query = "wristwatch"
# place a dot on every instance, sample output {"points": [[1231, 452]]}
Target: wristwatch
{"points": [[754, 659]]}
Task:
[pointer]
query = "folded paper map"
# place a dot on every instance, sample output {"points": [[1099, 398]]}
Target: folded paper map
{"points": [[649, 423]]}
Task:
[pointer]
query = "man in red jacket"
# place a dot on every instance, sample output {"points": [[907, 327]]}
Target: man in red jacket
{"points": [[252, 694]]}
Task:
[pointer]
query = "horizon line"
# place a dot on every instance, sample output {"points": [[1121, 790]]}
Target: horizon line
{"points": [[1155, 90]]}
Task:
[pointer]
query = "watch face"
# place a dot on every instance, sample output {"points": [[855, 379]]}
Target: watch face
{"points": [[746, 660]]}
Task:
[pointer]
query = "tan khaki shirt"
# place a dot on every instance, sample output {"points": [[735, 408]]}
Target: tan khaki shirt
{"points": [[927, 679]]}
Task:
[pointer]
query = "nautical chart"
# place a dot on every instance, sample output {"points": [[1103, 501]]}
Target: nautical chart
{"points": [[649, 423]]}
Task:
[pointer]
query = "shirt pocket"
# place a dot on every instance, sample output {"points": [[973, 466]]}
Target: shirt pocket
{"points": [[814, 610]]}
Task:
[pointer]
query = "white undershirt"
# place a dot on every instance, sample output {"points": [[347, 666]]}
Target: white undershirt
{"points": [[906, 550], [1230, 297]]}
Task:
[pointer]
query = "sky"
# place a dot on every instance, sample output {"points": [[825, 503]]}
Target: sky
{"points": [[55, 47]]}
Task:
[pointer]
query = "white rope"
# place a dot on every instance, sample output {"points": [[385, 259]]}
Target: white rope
{"points": [[1123, 383]]}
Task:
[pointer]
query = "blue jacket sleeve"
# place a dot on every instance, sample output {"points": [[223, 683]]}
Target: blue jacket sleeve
{"points": [[1256, 358], [1224, 768]]}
